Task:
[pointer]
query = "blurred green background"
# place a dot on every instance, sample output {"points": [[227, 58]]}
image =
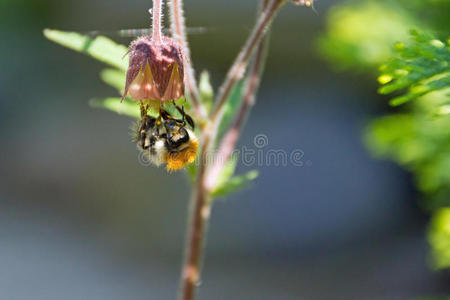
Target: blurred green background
{"points": [[80, 218]]}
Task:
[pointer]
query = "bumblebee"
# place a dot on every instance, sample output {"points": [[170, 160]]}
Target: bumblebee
{"points": [[167, 139]]}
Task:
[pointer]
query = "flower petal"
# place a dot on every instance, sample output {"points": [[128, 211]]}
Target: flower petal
{"points": [[143, 86], [175, 88]]}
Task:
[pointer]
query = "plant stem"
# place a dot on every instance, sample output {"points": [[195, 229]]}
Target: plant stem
{"points": [[201, 198], [231, 137], [156, 25], [199, 217], [240, 64], [178, 27]]}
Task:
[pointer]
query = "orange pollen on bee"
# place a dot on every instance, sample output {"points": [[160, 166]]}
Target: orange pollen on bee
{"points": [[178, 160]]}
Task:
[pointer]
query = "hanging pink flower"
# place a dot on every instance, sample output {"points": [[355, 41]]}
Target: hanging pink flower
{"points": [[155, 70]]}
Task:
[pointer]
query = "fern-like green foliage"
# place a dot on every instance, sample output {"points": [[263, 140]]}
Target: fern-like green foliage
{"points": [[100, 48], [419, 139], [359, 36], [419, 142], [109, 52], [421, 67], [360, 33]]}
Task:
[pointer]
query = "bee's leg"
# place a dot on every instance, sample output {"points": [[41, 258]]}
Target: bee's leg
{"points": [[190, 121], [143, 109], [165, 115], [186, 118], [180, 110], [183, 114], [180, 122]]}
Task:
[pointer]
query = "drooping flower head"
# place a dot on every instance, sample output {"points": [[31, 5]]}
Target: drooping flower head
{"points": [[155, 70]]}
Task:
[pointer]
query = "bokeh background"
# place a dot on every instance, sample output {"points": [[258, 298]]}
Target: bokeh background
{"points": [[80, 218]]}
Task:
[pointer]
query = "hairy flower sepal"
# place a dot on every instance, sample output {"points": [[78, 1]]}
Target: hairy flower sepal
{"points": [[156, 70]]}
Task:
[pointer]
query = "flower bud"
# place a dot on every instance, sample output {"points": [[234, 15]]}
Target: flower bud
{"points": [[155, 70]]}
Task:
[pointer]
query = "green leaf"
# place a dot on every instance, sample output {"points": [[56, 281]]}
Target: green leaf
{"points": [[439, 238], [206, 90], [419, 90], [227, 172], [420, 142], [113, 104], [100, 48], [232, 105], [114, 78], [191, 170], [420, 67], [236, 183]]}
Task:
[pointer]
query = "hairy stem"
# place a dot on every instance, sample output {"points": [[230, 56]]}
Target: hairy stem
{"points": [[178, 28], [156, 24], [240, 64]]}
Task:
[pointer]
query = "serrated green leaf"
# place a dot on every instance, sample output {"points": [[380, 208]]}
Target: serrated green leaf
{"points": [[418, 90], [114, 78], [421, 67], [113, 104], [236, 183], [100, 48]]}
